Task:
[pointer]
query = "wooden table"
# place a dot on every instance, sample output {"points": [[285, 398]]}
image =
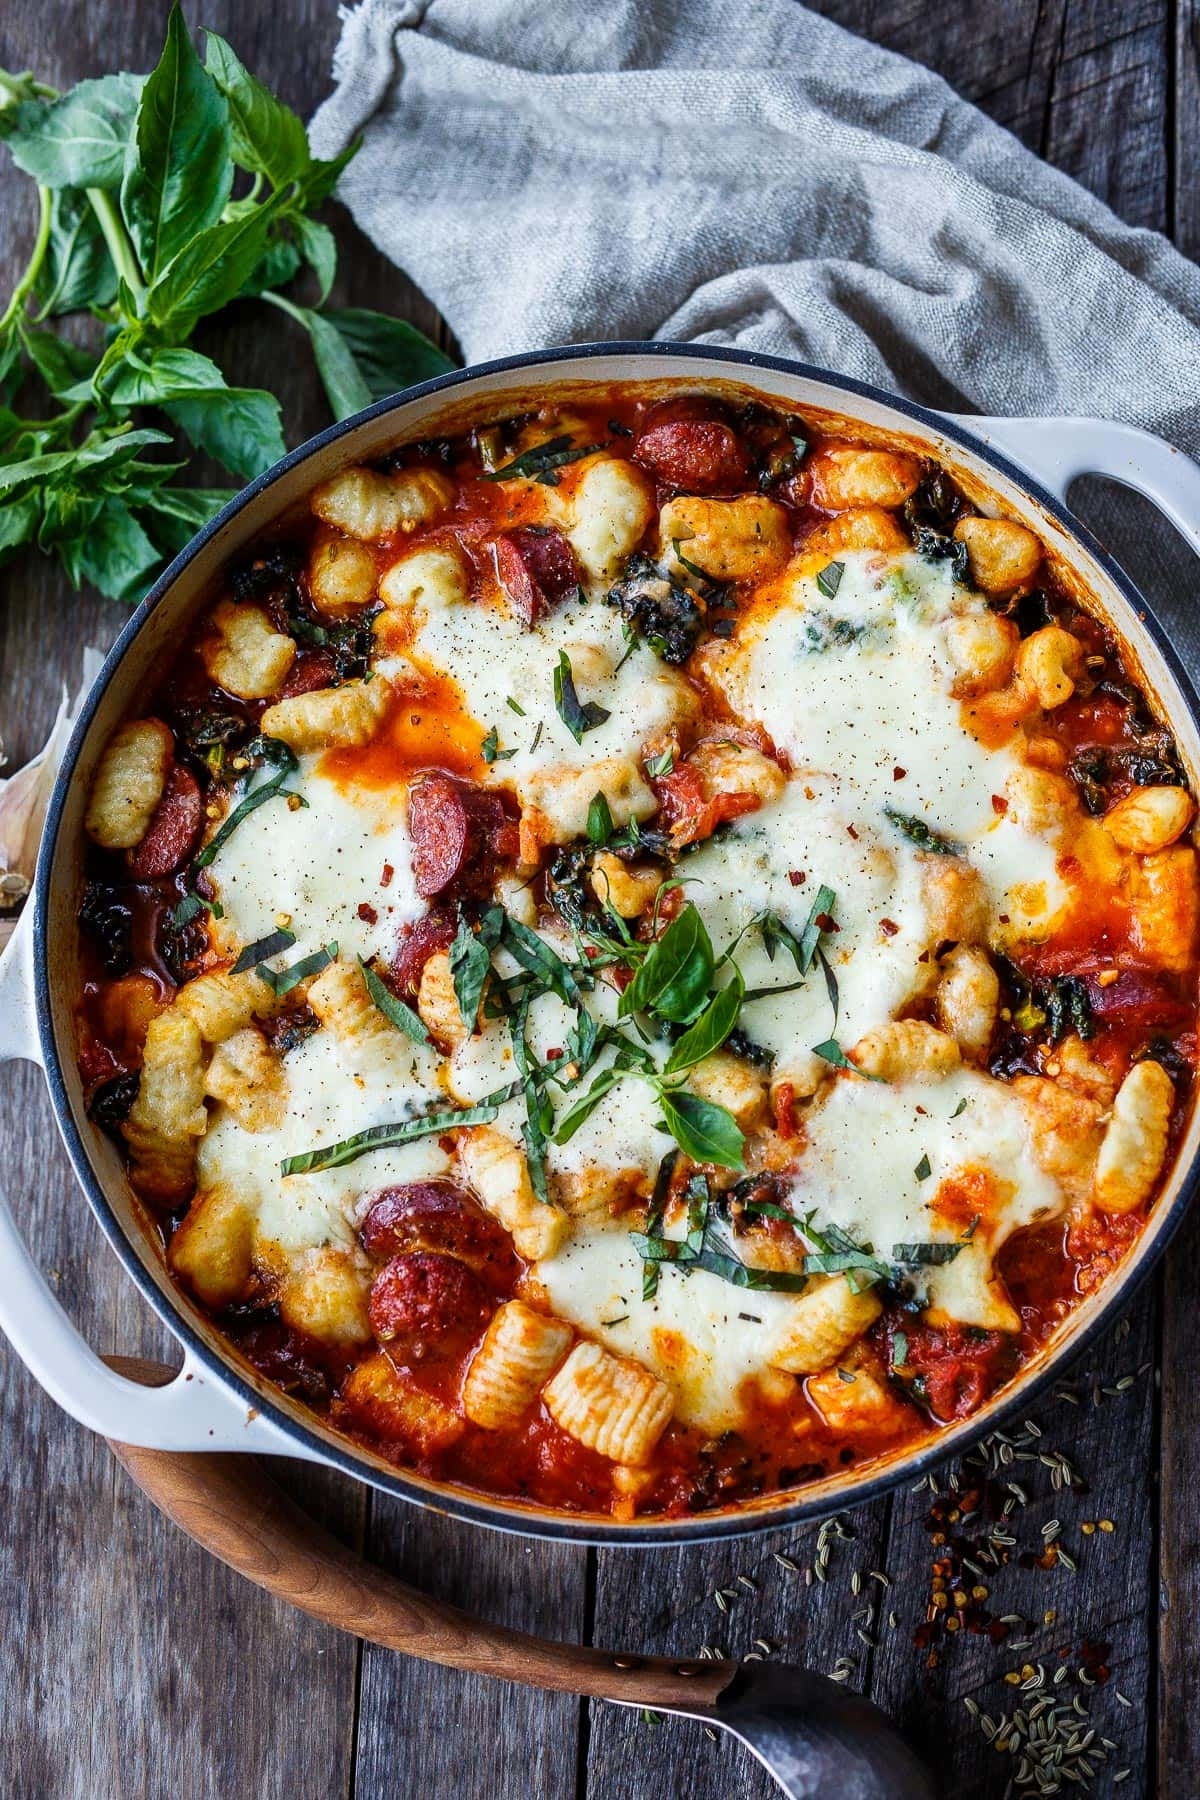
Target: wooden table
{"points": [[132, 1665]]}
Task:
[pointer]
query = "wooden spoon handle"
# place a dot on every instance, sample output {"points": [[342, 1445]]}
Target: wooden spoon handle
{"points": [[230, 1505]]}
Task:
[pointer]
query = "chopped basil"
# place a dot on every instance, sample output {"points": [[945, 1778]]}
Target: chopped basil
{"points": [[922, 835], [916, 1256], [702, 575], [599, 820], [540, 463], [830, 579], [471, 961], [383, 1137], [658, 766], [285, 980], [265, 947], [578, 716], [924, 1169], [283, 760], [537, 737], [611, 1324], [516, 707], [960, 1108], [393, 1009], [192, 905], [832, 1053], [899, 1350], [490, 748], [774, 1281]]}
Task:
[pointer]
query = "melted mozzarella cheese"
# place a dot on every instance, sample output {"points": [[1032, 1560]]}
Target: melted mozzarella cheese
{"points": [[319, 863], [860, 682], [816, 829], [494, 658], [329, 1099], [865, 1142]]}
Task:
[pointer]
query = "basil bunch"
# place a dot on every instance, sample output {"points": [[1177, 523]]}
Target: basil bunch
{"points": [[162, 199]]}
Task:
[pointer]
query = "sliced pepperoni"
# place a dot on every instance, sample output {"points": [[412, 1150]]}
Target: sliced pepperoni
{"points": [[702, 456], [459, 833], [172, 833], [443, 1217], [312, 669], [1138, 997], [424, 1303], [537, 568], [440, 828], [418, 943]]}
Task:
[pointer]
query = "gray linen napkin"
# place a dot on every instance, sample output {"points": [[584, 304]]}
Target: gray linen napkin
{"points": [[752, 174]]}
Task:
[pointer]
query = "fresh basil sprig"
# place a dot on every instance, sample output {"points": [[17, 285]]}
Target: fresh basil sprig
{"points": [[162, 199], [577, 715]]}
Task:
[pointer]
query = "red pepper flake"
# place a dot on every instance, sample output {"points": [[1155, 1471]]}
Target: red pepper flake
{"points": [[852, 832], [888, 927], [826, 922], [367, 913], [797, 877], [385, 880], [1004, 918], [999, 805], [898, 773], [553, 1055]]}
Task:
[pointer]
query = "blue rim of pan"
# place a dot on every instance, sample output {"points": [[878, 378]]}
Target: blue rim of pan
{"points": [[511, 1514]]}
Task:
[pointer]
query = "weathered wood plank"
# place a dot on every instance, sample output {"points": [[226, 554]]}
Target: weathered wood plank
{"points": [[665, 1601]]}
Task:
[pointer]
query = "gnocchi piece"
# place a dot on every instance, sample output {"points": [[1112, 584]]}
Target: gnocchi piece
{"points": [[213, 1248], [731, 540], [597, 1194], [519, 1353], [983, 649], [341, 574], [129, 783], [823, 1322], [496, 1169], [612, 505], [1135, 1140], [222, 1002], [246, 1076], [730, 1082], [854, 1396], [437, 1003], [968, 999], [609, 1404], [726, 767], [956, 900], [379, 1394], [430, 579], [846, 475], [330, 718], [245, 654], [1164, 906], [1046, 804], [517, 898], [1149, 819], [340, 1000], [1001, 554], [325, 1295], [1083, 1073], [1064, 1131], [906, 1050], [561, 795], [168, 1115], [367, 505], [969, 1292], [629, 888], [862, 528], [1049, 663]]}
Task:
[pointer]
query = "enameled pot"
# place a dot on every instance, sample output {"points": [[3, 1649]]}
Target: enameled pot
{"points": [[216, 1402]]}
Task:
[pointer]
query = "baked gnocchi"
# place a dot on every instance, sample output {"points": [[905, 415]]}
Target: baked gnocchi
{"points": [[637, 937]]}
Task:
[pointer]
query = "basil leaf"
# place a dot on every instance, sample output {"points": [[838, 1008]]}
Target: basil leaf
{"points": [[658, 766], [830, 578], [78, 272], [112, 552], [212, 268], [163, 375], [710, 1029], [570, 1121], [286, 979], [540, 463], [393, 1009], [178, 174], [283, 759], [704, 1131], [923, 1169], [239, 427], [578, 716], [599, 820], [922, 835], [470, 965], [675, 974], [192, 905], [536, 956], [80, 140], [59, 362], [179, 513], [344, 383], [278, 264], [263, 948], [899, 1350], [267, 137], [319, 248], [391, 354], [383, 1137]]}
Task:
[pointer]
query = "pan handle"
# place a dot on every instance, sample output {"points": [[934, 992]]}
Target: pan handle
{"points": [[193, 1411], [1057, 451]]}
